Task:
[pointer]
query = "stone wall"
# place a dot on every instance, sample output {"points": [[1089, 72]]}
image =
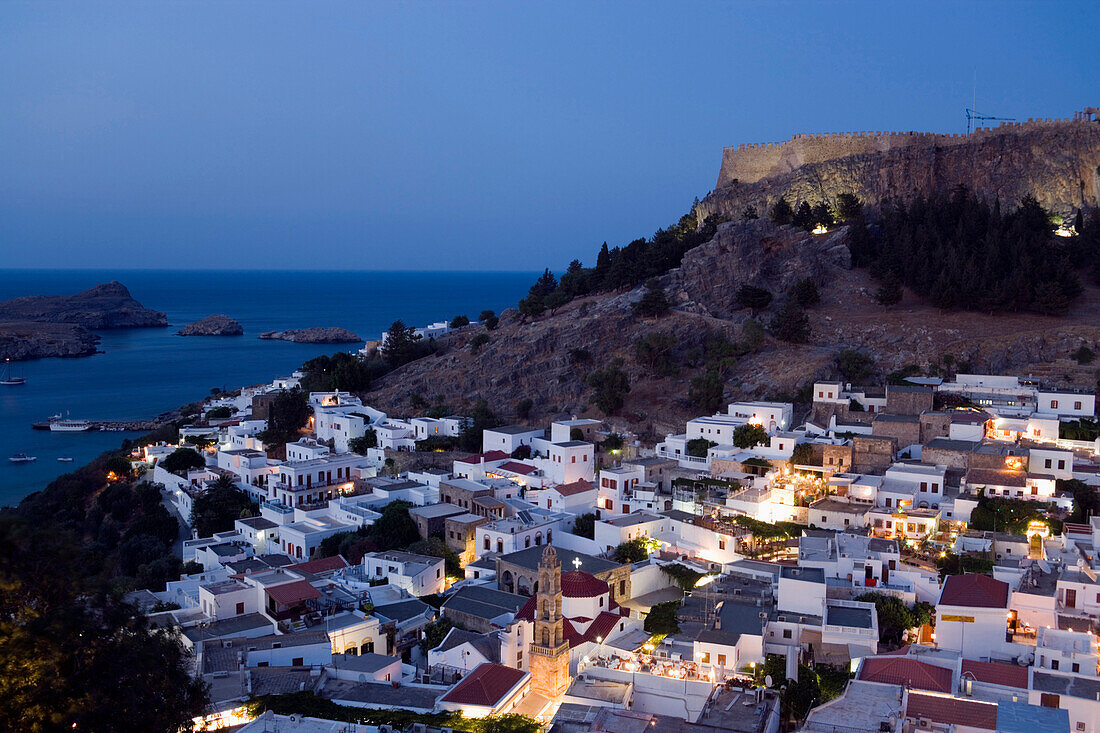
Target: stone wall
{"points": [[750, 162], [1056, 161]]}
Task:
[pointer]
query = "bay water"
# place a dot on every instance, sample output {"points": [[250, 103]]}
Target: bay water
{"points": [[148, 371]]}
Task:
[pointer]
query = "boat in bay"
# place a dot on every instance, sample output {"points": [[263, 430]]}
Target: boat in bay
{"points": [[22, 458], [69, 426], [8, 380]]}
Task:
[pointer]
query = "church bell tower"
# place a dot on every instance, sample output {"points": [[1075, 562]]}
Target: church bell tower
{"points": [[549, 650]]}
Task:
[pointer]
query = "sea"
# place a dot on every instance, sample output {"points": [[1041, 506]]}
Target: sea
{"points": [[147, 371]]}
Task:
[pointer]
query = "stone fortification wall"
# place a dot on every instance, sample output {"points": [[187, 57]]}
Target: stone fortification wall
{"points": [[751, 162], [1057, 161]]}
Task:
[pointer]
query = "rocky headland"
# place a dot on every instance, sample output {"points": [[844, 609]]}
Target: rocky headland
{"points": [[23, 340], [216, 325], [40, 326], [316, 335]]}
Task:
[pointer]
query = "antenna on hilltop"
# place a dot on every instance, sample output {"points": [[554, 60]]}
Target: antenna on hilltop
{"points": [[972, 115]]}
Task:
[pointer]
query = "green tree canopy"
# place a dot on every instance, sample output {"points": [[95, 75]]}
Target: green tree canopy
{"points": [[366, 441], [217, 508], [611, 386], [182, 460], [791, 324], [748, 435], [73, 657]]}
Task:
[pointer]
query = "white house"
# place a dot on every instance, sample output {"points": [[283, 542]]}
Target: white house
{"points": [[421, 575], [972, 615], [508, 438]]}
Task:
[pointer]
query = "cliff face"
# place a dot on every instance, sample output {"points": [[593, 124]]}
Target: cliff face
{"points": [[104, 306], [21, 340], [1056, 162]]}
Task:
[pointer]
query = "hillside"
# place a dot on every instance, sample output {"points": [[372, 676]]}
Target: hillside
{"points": [[537, 358]]}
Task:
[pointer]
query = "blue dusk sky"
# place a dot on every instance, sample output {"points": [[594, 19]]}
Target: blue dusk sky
{"points": [[461, 135]]}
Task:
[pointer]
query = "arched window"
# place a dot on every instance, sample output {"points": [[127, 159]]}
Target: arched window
{"points": [[500, 545], [546, 637], [527, 541], [601, 601], [538, 538], [549, 536]]}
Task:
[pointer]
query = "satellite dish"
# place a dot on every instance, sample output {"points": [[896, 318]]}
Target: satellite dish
{"points": [[768, 681]]}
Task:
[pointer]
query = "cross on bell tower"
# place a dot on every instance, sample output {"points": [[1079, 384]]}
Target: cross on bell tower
{"points": [[549, 649]]}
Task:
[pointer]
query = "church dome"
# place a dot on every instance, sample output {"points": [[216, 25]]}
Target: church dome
{"points": [[579, 584]]}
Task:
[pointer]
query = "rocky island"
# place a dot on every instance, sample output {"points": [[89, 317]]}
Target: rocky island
{"points": [[317, 335], [40, 326], [216, 325]]}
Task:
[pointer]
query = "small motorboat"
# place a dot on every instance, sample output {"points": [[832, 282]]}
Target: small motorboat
{"points": [[65, 460], [22, 458]]}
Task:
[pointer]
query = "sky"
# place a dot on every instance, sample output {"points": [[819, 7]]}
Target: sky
{"points": [[461, 135]]}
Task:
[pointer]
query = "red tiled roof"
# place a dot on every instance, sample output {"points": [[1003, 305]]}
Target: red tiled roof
{"points": [[975, 591], [579, 584], [485, 686], [1008, 675], [288, 594], [324, 565], [906, 671], [493, 455], [527, 611], [952, 710], [602, 626], [517, 467], [577, 487]]}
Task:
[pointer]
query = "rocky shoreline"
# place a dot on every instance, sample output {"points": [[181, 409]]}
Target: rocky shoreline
{"points": [[24, 341], [216, 325], [317, 335]]}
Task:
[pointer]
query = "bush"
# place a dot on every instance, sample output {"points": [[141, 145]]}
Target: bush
{"points": [[459, 322], [486, 315], [661, 619], [477, 342], [655, 351], [803, 455], [854, 366], [365, 442], [219, 412], [698, 447], [652, 304], [791, 324], [752, 334], [805, 292], [889, 293], [707, 390], [611, 386], [634, 550], [754, 298], [491, 323], [523, 407], [1084, 355], [585, 525]]}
